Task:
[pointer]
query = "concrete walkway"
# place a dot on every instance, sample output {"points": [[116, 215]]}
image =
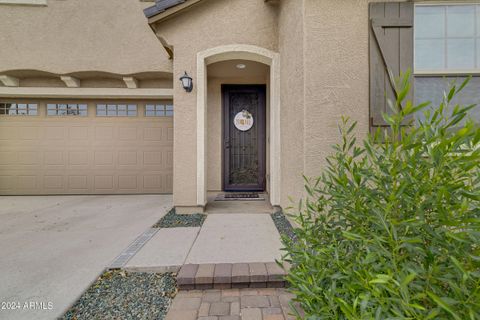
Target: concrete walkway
{"points": [[53, 247], [236, 238], [225, 237]]}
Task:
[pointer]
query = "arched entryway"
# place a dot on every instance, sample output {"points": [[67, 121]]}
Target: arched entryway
{"points": [[249, 53]]}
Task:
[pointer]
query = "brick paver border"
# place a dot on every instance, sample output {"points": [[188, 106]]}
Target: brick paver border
{"points": [[226, 275]]}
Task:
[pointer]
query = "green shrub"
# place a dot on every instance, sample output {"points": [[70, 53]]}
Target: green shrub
{"points": [[391, 229]]}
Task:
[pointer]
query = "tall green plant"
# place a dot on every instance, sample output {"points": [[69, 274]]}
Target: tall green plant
{"points": [[391, 229]]}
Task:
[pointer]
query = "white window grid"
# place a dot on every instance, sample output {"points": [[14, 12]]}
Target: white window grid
{"points": [[159, 110], [418, 70], [18, 109], [116, 110], [67, 109]]}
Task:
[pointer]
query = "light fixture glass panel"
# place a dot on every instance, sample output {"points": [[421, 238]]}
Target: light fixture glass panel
{"points": [[429, 54], [461, 54], [429, 22], [460, 21]]}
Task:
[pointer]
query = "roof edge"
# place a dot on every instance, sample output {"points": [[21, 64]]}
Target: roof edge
{"points": [[160, 11]]}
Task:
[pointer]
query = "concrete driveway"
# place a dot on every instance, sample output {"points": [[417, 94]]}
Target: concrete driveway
{"points": [[53, 247]]}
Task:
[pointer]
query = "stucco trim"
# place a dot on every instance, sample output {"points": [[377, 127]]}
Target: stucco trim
{"points": [[42, 3], [244, 52], [52, 92]]}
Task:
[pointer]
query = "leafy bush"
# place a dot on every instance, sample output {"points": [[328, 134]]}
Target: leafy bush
{"points": [[391, 229]]}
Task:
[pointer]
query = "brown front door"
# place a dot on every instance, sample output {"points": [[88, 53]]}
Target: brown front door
{"points": [[244, 112]]}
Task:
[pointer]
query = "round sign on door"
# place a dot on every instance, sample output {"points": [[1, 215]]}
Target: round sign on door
{"points": [[243, 120]]}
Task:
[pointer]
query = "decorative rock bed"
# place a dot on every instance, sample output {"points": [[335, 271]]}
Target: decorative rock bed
{"points": [[122, 295], [174, 220], [283, 225]]}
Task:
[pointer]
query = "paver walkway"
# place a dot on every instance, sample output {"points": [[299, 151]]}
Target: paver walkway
{"points": [[231, 304]]}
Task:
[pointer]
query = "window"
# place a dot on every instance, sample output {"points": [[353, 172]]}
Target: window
{"points": [[64, 109], [158, 110], [23, 109], [447, 38], [116, 110]]}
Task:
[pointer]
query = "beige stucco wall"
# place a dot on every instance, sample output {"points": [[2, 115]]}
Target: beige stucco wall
{"points": [[209, 24], [336, 74], [80, 35], [325, 74], [292, 91]]}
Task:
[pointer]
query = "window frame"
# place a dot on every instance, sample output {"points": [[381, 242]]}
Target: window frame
{"points": [[57, 109], [448, 72], [116, 105], [167, 110], [28, 104]]}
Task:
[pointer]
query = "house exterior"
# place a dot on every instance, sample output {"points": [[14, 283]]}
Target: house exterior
{"points": [[91, 101]]}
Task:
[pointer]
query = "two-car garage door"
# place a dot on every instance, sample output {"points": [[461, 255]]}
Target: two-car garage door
{"points": [[94, 148]]}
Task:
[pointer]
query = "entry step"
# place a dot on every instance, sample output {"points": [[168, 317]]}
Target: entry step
{"points": [[231, 275]]}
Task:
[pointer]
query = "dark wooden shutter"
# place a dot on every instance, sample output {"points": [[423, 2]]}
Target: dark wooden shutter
{"points": [[391, 52]]}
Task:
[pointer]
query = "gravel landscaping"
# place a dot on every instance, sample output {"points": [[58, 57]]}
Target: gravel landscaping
{"points": [[174, 220], [122, 295], [283, 225]]}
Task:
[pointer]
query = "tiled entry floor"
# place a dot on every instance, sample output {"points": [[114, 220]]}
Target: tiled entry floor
{"points": [[231, 304]]}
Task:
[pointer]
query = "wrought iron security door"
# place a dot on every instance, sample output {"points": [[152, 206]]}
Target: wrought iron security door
{"points": [[244, 131]]}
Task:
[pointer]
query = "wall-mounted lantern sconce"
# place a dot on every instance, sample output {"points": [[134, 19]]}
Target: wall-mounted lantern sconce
{"points": [[187, 82]]}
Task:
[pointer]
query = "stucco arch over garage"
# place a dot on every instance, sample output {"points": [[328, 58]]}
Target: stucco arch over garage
{"points": [[242, 52]]}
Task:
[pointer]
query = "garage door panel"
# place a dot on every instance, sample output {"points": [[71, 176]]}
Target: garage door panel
{"points": [[152, 134], [27, 182], [55, 133], [128, 159], [78, 184], [54, 182], [78, 158], [7, 183], [103, 158], [8, 158], [86, 155], [104, 133], [128, 134], [128, 183]]}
